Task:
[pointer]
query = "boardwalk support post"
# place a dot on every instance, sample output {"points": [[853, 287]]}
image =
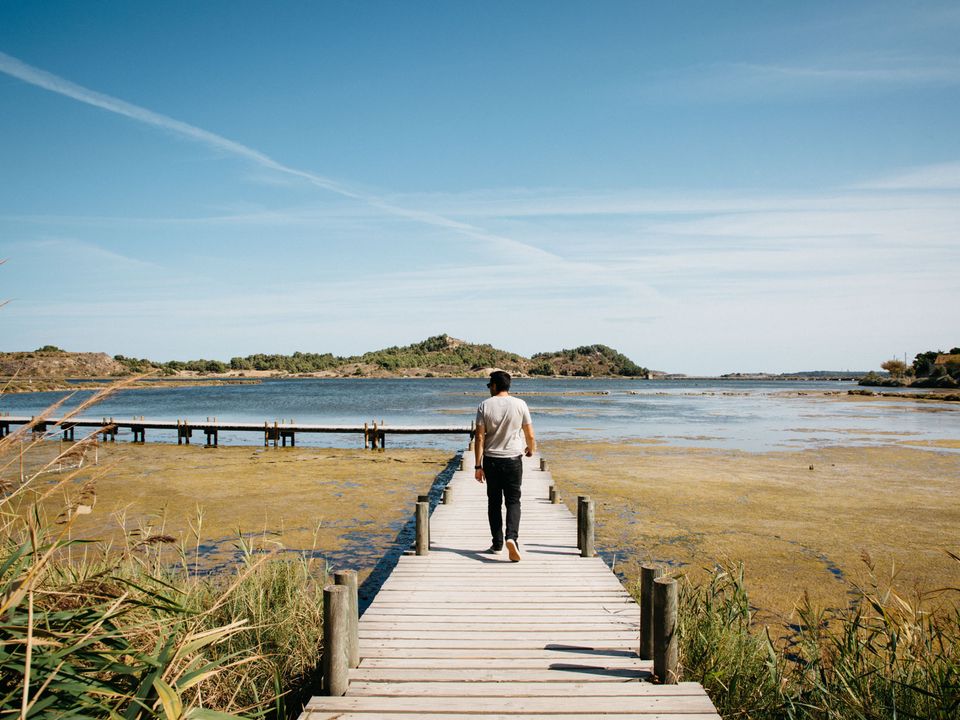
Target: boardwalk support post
{"points": [[447, 495], [580, 499], [348, 579], [553, 495], [648, 573], [665, 657], [426, 499], [460, 466], [543, 465], [335, 640], [423, 528], [586, 549]]}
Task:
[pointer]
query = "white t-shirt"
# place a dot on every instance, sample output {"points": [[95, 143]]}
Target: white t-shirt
{"points": [[502, 419]]}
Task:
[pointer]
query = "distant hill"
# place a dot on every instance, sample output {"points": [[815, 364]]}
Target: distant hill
{"points": [[585, 361], [52, 362], [438, 356], [443, 355]]}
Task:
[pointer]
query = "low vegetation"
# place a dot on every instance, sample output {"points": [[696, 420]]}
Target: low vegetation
{"points": [[930, 369], [134, 631], [885, 656]]}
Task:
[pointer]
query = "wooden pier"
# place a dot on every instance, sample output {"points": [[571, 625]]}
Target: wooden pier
{"points": [[278, 432], [459, 634]]}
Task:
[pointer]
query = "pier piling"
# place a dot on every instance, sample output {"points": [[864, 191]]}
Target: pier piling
{"points": [[336, 647], [665, 655], [423, 528], [648, 573], [587, 549], [348, 579]]}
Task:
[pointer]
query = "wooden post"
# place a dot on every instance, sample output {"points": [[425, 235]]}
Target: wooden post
{"points": [[423, 528], [447, 495], [373, 436], [336, 653], [460, 466], [366, 438], [553, 495], [586, 550], [425, 499], [580, 499], [648, 573], [665, 630], [543, 465], [470, 444], [348, 579]]}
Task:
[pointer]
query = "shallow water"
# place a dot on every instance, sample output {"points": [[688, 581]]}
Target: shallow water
{"points": [[732, 414]]}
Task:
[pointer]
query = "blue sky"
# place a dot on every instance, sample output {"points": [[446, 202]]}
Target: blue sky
{"points": [[708, 187]]}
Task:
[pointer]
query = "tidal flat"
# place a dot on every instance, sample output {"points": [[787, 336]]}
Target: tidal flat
{"points": [[342, 506], [801, 521], [805, 521]]}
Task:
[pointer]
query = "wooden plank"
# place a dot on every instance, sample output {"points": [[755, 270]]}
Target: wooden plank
{"points": [[505, 673], [490, 660], [573, 634], [636, 715], [620, 688], [516, 626], [595, 705]]}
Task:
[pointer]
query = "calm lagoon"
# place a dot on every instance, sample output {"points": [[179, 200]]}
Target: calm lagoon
{"points": [[747, 415]]}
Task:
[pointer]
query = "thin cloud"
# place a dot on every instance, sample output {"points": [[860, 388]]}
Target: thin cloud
{"points": [[61, 86], [786, 81], [941, 176]]}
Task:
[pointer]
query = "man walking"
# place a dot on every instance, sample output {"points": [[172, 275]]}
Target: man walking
{"points": [[501, 419]]}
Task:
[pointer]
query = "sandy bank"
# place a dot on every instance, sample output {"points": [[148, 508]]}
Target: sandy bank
{"points": [[796, 528]]}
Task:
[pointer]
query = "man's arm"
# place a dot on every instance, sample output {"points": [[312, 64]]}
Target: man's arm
{"points": [[478, 452], [531, 440]]}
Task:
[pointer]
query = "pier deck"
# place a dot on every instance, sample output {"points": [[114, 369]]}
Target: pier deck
{"points": [[460, 634], [374, 434]]}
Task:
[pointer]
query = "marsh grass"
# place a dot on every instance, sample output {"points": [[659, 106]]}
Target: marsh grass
{"points": [[885, 656], [133, 631]]}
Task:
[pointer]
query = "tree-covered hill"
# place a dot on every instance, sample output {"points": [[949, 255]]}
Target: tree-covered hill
{"points": [[585, 361], [441, 355]]}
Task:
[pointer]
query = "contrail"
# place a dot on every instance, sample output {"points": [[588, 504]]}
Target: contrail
{"points": [[56, 84]]}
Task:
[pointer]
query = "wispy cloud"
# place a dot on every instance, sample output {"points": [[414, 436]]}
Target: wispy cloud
{"points": [[801, 78], [61, 86], [941, 176]]}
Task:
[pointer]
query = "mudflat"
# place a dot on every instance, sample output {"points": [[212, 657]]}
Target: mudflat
{"points": [[344, 506], [801, 521]]}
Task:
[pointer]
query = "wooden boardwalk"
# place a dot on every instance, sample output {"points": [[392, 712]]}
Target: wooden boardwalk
{"points": [[277, 432], [459, 634]]}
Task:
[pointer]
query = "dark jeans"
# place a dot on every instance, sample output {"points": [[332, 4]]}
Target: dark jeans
{"points": [[504, 476]]}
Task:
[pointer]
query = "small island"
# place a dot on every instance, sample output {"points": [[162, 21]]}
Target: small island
{"points": [[50, 367]]}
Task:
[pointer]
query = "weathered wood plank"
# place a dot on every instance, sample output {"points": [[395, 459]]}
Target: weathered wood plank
{"points": [[594, 705], [636, 715], [508, 674], [608, 688]]}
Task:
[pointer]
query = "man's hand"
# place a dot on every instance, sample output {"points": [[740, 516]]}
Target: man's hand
{"points": [[528, 452], [478, 474]]}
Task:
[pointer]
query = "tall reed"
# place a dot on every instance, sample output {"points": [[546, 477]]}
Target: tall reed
{"points": [[885, 656], [92, 631]]}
